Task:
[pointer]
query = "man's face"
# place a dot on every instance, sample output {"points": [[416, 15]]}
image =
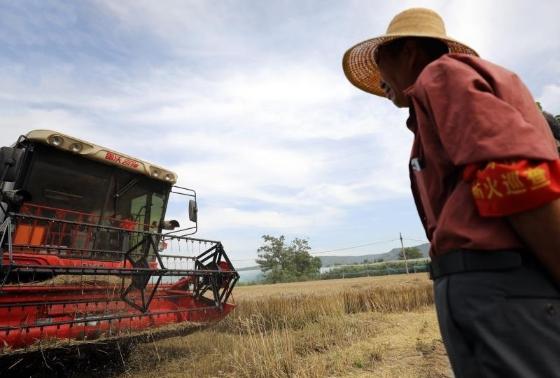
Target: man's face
{"points": [[394, 75]]}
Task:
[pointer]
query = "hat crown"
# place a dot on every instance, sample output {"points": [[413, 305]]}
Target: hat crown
{"points": [[359, 64], [417, 21]]}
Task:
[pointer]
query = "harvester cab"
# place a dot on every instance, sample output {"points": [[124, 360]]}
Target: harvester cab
{"points": [[86, 250]]}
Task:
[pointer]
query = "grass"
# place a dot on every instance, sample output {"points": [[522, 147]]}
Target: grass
{"points": [[382, 326], [327, 286]]}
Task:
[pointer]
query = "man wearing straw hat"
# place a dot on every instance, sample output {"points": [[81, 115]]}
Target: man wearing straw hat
{"points": [[485, 176]]}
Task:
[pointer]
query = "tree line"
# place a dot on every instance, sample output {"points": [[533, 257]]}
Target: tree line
{"points": [[283, 261]]}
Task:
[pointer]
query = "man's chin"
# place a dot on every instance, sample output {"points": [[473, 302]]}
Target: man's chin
{"points": [[399, 103]]}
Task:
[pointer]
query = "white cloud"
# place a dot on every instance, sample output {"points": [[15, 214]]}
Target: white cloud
{"points": [[187, 27], [15, 123], [232, 218], [550, 98]]}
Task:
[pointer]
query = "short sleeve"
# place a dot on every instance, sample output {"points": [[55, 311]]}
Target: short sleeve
{"points": [[481, 115]]}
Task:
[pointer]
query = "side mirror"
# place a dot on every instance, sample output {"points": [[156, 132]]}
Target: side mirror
{"points": [[10, 163], [193, 211]]}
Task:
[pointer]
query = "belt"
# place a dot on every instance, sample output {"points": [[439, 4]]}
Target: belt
{"points": [[462, 261]]}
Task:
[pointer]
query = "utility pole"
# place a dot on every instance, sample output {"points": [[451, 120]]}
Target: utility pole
{"points": [[404, 253]]}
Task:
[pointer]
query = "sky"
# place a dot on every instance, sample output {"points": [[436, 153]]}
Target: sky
{"points": [[247, 102]]}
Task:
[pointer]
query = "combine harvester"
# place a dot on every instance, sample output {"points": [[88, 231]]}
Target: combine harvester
{"points": [[86, 251]]}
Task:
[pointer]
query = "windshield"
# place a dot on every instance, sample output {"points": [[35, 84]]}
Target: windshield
{"points": [[71, 188], [135, 203], [109, 195], [58, 180]]}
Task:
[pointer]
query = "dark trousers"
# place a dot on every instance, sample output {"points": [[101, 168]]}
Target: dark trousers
{"points": [[500, 324]]}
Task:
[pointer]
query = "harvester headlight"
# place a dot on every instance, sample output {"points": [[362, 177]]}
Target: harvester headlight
{"points": [[76, 147], [56, 140], [155, 173], [169, 177]]}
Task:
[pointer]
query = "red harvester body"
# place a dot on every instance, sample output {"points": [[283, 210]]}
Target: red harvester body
{"points": [[84, 253]]}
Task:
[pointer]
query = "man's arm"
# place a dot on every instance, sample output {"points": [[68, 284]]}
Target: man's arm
{"points": [[540, 230]]}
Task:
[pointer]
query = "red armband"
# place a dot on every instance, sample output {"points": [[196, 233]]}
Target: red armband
{"points": [[502, 189]]}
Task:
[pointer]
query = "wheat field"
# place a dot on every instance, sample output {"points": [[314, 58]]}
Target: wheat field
{"points": [[362, 327]]}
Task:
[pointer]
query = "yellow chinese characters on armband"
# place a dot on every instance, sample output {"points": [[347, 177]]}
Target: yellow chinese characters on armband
{"points": [[477, 191], [501, 189], [538, 177]]}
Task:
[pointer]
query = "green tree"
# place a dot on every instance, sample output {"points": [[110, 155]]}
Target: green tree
{"points": [[411, 253], [281, 262]]}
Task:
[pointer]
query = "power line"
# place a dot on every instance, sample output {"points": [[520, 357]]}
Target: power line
{"points": [[335, 250], [417, 240], [252, 259], [348, 248], [353, 247]]}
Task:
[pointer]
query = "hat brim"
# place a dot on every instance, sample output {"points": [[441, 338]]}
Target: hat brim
{"points": [[362, 71]]}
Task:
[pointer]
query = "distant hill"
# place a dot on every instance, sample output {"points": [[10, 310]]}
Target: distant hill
{"points": [[393, 254]]}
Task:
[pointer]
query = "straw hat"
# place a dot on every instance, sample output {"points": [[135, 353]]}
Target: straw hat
{"points": [[358, 64]]}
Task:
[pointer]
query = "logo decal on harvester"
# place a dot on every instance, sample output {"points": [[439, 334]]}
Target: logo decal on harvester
{"points": [[121, 160]]}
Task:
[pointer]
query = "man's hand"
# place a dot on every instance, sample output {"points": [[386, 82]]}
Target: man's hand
{"points": [[540, 230]]}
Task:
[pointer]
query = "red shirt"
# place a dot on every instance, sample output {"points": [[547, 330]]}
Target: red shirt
{"points": [[466, 111]]}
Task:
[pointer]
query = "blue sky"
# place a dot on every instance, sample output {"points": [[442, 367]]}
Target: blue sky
{"points": [[247, 102]]}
